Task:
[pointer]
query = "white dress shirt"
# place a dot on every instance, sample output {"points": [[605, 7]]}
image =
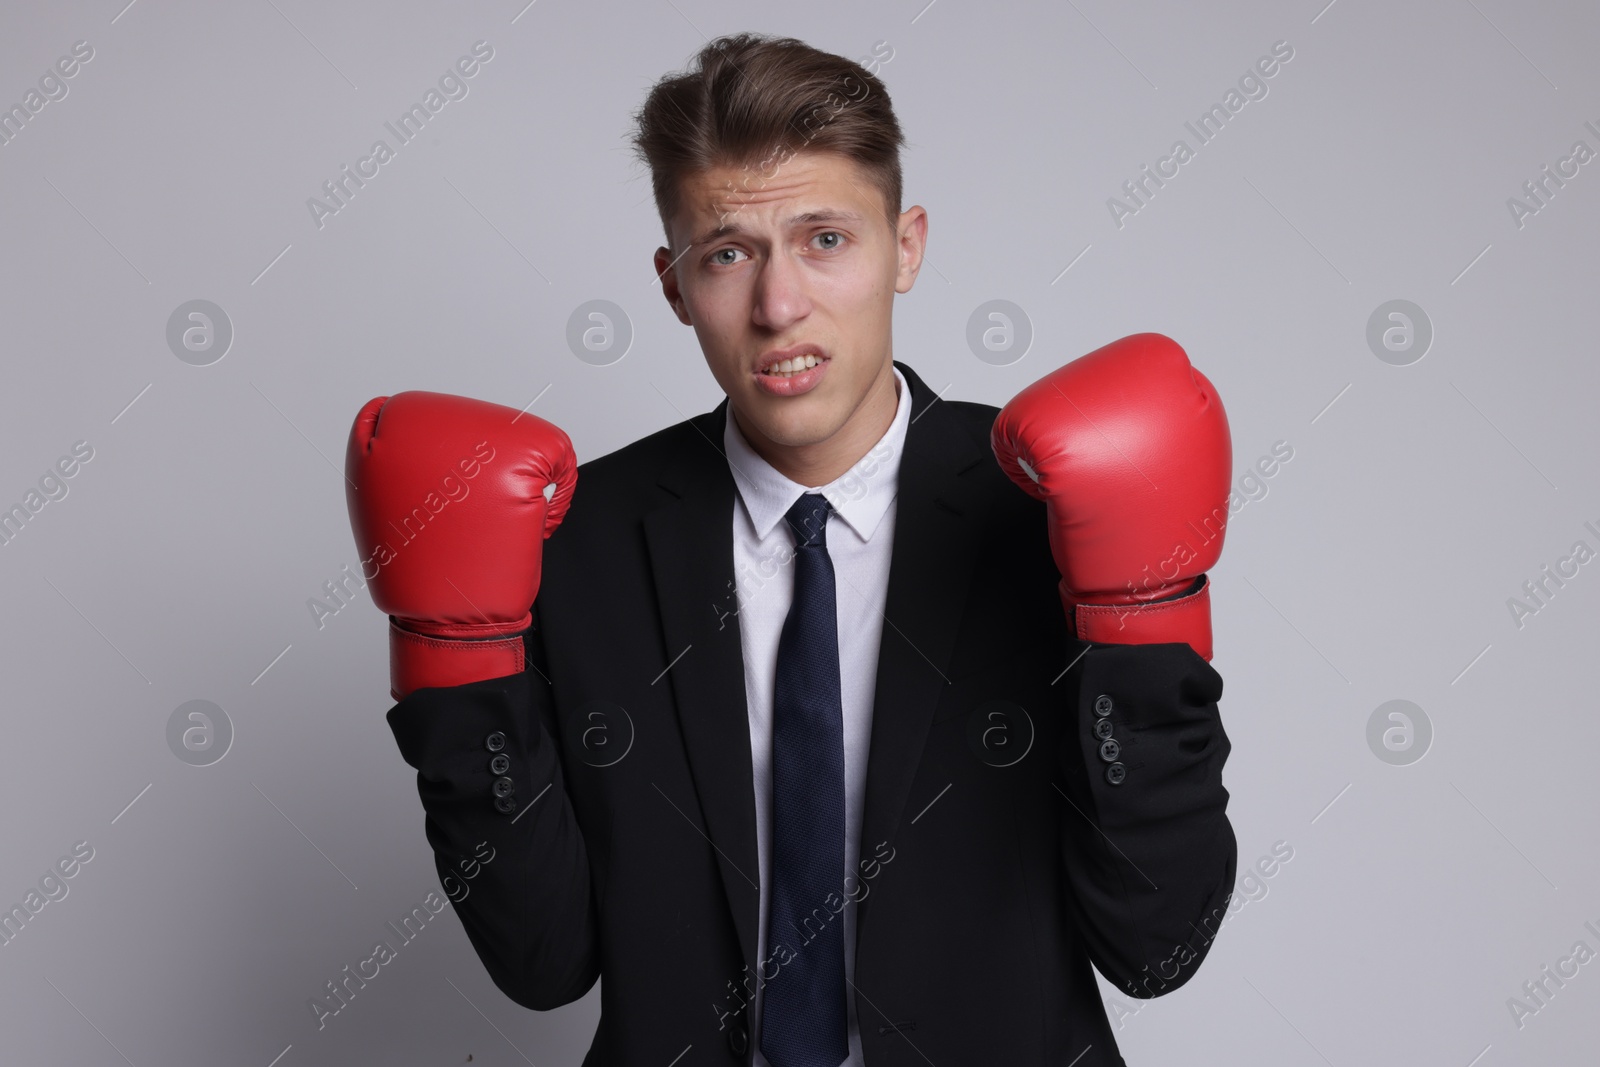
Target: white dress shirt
{"points": [[859, 536]]}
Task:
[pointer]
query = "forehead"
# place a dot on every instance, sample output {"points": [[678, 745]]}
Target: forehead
{"points": [[775, 195]]}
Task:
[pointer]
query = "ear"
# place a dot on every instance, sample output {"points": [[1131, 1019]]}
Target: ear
{"points": [[667, 275], [912, 236]]}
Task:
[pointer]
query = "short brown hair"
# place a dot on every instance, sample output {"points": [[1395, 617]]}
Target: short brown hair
{"points": [[750, 99]]}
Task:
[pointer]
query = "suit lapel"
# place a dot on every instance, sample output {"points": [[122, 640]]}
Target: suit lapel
{"points": [[935, 549], [690, 543]]}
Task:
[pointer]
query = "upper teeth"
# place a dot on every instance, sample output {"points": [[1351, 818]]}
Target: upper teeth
{"points": [[790, 366]]}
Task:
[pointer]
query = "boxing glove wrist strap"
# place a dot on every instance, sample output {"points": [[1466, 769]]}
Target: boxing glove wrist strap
{"points": [[418, 661], [1186, 618]]}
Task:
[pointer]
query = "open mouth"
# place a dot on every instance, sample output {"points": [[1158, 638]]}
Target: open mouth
{"points": [[788, 368]]}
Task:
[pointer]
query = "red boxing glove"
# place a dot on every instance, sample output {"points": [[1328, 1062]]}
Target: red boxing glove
{"points": [[450, 501], [1128, 447]]}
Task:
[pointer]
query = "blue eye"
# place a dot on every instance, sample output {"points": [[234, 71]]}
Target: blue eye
{"points": [[832, 233]]}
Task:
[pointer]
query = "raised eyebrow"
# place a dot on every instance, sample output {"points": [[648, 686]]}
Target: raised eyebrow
{"points": [[805, 218]]}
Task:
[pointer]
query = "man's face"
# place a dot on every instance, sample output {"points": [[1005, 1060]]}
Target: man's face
{"points": [[795, 260]]}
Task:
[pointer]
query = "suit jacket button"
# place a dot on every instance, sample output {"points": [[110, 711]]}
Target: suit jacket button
{"points": [[500, 764], [1102, 728], [495, 741], [1115, 773], [738, 1040], [504, 787], [1110, 750], [505, 805], [1102, 705]]}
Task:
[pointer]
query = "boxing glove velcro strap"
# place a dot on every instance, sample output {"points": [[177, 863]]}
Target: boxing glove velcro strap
{"points": [[1186, 618], [419, 661]]}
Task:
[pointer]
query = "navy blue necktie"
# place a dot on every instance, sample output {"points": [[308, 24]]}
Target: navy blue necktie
{"points": [[803, 1011]]}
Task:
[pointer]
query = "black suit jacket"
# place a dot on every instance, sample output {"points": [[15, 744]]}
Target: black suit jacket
{"points": [[1003, 859]]}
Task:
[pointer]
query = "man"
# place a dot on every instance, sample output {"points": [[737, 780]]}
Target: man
{"points": [[820, 742]]}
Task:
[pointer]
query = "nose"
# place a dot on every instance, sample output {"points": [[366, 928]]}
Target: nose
{"points": [[780, 294]]}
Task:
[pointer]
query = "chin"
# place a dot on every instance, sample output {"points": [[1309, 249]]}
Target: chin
{"points": [[800, 432]]}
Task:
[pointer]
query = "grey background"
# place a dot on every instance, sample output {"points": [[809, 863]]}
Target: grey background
{"points": [[1377, 566]]}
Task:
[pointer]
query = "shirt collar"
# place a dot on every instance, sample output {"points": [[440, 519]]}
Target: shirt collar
{"points": [[860, 496]]}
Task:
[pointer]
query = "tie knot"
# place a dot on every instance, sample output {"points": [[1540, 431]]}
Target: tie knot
{"points": [[808, 518]]}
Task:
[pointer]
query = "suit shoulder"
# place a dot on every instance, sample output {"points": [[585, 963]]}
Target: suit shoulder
{"points": [[639, 462], [618, 488], [977, 420], [1008, 503], [978, 416]]}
